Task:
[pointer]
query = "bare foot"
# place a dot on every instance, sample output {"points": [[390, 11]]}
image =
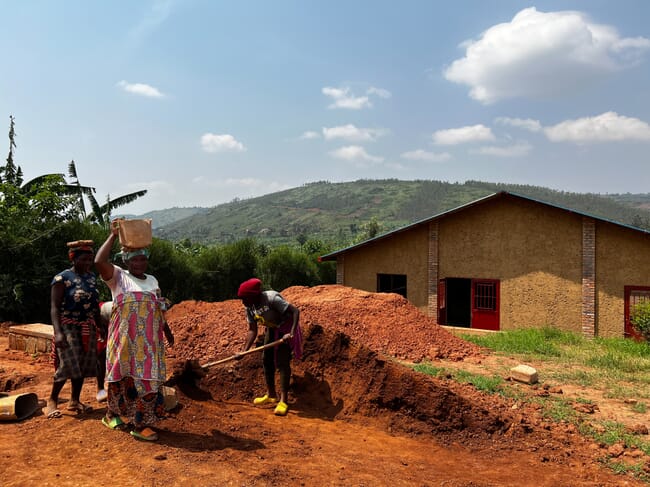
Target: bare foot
{"points": [[79, 407], [51, 409]]}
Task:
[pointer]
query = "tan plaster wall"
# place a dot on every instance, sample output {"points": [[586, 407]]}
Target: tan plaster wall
{"points": [[403, 253], [622, 259], [535, 252]]}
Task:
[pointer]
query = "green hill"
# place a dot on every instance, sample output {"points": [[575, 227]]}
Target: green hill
{"points": [[338, 212], [160, 218]]}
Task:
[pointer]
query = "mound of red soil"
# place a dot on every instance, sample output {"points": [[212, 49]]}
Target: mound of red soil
{"points": [[383, 322], [348, 370]]}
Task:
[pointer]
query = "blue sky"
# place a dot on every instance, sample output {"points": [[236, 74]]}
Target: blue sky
{"points": [[200, 101]]}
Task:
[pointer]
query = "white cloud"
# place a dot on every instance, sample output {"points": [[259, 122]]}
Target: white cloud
{"points": [[344, 98], [380, 92], [462, 135], [522, 123], [607, 127], [355, 153], [140, 89], [422, 155], [310, 134], [353, 133], [541, 54], [221, 143], [517, 150]]}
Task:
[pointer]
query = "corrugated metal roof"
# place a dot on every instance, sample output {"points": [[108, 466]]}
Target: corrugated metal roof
{"points": [[479, 201]]}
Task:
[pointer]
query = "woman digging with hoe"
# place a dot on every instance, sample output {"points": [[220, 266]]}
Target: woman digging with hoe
{"points": [[135, 350], [269, 309]]}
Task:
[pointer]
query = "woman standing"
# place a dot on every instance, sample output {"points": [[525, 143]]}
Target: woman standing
{"points": [[135, 349], [281, 319], [74, 308]]}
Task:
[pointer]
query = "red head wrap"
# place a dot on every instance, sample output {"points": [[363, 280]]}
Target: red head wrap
{"points": [[252, 287]]}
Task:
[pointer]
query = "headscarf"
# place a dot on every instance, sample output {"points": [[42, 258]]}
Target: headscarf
{"points": [[128, 254], [79, 247], [252, 287]]}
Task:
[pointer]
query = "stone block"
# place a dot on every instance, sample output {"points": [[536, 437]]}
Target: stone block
{"points": [[525, 374], [33, 338]]}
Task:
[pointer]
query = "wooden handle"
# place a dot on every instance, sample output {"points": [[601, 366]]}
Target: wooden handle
{"points": [[233, 357]]}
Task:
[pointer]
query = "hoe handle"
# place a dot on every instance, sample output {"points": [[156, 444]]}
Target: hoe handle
{"points": [[233, 357]]}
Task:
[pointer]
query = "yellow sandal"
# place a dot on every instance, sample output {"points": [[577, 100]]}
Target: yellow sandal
{"points": [[265, 399], [281, 409]]}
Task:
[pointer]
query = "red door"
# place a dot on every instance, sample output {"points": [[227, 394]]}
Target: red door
{"points": [[633, 296], [442, 303], [485, 304]]}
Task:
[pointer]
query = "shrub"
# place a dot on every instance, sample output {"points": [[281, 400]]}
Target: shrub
{"points": [[640, 319]]}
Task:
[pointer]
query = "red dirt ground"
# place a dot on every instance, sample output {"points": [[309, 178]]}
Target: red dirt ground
{"points": [[357, 417]]}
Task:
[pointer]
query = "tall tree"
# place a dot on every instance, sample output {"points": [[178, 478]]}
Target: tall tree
{"points": [[10, 173]]}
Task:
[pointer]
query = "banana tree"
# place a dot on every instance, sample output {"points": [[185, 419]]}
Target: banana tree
{"points": [[76, 189], [100, 214]]}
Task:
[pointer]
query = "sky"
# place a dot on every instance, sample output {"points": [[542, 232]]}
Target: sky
{"points": [[202, 101]]}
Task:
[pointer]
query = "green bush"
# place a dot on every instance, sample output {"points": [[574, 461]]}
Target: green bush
{"points": [[640, 319], [284, 267]]}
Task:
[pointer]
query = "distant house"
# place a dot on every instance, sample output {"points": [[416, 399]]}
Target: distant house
{"points": [[506, 262]]}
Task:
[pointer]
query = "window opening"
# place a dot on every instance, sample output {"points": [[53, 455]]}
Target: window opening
{"points": [[391, 283]]}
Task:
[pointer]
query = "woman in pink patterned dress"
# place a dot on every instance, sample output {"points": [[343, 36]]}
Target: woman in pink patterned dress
{"points": [[135, 351]]}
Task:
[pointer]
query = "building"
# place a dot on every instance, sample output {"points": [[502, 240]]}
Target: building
{"points": [[507, 262]]}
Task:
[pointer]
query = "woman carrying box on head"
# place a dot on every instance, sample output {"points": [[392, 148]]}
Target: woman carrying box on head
{"points": [[135, 349]]}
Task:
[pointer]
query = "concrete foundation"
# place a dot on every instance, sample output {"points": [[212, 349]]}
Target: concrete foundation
{"points": [[34, 338]]}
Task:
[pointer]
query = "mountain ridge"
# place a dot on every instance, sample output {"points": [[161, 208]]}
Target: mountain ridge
{"points": [[340, 213]]}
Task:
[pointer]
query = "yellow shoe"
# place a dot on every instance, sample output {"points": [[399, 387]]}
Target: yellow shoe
{"points": [[265, 399], [281, 409]]}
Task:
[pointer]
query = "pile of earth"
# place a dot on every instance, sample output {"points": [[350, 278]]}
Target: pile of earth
{"points": [[349, 369], [383, 322]]}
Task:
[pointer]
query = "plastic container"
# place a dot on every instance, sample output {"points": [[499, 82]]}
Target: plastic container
{"points": [[134, 234], [18, 406]]}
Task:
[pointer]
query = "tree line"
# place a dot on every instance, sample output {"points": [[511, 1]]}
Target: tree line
{"points": [[38, 218]]}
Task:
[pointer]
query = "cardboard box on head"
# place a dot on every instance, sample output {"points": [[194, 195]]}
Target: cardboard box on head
{"points": [[134, 234]]}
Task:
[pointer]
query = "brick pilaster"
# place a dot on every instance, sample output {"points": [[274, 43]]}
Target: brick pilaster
{"points": [[432, 271], [340, 269], [588, 277]]}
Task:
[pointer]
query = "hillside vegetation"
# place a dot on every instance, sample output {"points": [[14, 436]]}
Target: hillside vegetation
{"points": [[341, 212]]}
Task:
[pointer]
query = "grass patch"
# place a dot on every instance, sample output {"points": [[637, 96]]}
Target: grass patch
{"points": [[619, 368], [558, 409], [543, 342], [491, 385], [428, 369]]}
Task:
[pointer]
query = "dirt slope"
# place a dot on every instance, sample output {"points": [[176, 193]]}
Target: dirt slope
{"points": [[357, 417]]}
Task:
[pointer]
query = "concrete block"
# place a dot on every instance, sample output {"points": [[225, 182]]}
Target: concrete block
{"points": [[525, 374], [34, 338], [170, 396]]}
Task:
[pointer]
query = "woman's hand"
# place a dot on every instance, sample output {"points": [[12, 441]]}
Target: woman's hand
{"points": [[287, 337], [60, 340], [115, 226]]}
